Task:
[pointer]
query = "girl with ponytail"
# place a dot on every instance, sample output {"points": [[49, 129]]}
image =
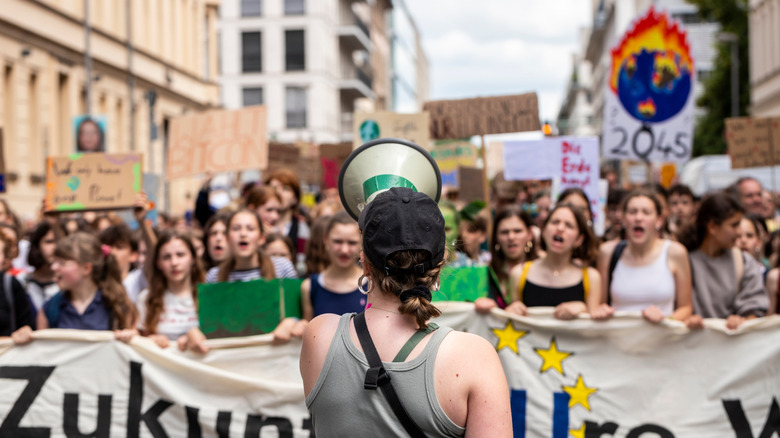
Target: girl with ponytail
{"points": [[91, 295], [450, 383]]}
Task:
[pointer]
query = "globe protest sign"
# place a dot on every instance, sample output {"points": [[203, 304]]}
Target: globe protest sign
{"points": [[648, 110]]}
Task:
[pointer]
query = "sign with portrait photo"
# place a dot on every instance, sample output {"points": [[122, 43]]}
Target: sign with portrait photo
{"points": [[89, 133]]}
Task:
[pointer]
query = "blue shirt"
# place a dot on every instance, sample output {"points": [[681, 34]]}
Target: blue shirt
{"points": [[95, 317], [325, 301]]}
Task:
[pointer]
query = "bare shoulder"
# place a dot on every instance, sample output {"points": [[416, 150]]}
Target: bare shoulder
{"points": [[677, 251], [593, 273], [467, 347], [321, 329], [771, 276], [608, 247]]}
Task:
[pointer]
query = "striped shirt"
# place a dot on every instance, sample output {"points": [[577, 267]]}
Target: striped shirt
{"points": [[282, 267]]}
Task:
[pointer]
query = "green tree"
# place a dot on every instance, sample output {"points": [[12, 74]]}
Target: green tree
{"points": [[732, 15]]}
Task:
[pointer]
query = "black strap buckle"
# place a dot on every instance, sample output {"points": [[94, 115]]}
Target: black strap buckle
{"points": [[376, 377]]}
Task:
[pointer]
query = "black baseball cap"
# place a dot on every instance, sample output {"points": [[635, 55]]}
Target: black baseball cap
{"points": [[402, 219]]}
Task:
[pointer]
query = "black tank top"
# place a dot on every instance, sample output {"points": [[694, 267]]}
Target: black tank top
{"points": [[538, 296]]}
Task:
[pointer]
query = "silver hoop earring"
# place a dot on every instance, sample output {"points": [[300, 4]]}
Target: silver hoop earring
{"points": [[360, 285]]}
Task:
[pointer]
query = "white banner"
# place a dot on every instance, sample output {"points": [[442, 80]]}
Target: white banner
{"points": [[620, 378]]}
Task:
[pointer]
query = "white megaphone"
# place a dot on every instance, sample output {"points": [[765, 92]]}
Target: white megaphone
{"points": [[381, 164]]}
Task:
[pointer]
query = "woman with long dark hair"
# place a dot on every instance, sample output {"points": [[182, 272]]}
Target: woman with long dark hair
{"points": [[726, 283], [513, 245]]}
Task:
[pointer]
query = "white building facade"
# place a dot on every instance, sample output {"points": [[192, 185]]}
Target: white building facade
{"points": [[313, 63]]}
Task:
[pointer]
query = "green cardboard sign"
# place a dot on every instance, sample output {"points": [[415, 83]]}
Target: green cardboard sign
{"points": [[462, 284], [247, 308]]}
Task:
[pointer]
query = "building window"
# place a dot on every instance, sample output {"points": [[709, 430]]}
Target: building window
{"points": [[294, 7], [251, 8], [251, 52], [295, 55], [296, 107], [252, 96]]}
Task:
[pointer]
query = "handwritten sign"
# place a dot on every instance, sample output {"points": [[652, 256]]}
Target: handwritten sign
{"points": [[483, 115], [385, 124], [451, 154], [92, 181], [218, 141], [573, 160], [749, 142]]}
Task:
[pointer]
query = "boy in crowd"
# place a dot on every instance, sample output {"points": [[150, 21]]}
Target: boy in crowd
{"points": [[124, 246]]}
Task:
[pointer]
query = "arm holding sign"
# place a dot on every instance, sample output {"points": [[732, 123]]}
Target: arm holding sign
{"points": [[141, 209]]}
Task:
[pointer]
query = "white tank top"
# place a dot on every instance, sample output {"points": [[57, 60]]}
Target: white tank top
{"points": [[639, 287]]}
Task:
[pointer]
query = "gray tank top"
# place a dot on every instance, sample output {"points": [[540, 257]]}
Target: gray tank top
{"points": [[341, 407]]}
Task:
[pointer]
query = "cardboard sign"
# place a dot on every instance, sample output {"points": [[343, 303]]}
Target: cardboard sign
{"points": [[649, 102], [451, 154], [218, 141], [92, 181], [471, 183], [749, 142], [483, 115], [573, 160], [247, 308], [332, 157], [385, 124], [282, 156]]}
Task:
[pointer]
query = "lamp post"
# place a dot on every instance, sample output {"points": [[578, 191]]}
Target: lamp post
{"points": [[731, 38]]}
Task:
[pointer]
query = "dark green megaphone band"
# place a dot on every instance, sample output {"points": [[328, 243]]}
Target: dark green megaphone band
{"points": [[384, 182]]}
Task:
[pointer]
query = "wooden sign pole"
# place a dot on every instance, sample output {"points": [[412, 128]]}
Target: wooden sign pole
{"points": [[486, 187]]}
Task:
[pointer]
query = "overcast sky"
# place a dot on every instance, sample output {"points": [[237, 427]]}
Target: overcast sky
{"points": [[497, 47]]}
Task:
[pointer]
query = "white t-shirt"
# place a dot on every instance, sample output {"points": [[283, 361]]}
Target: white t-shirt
{"points": [[179, 314], [134, 283]]}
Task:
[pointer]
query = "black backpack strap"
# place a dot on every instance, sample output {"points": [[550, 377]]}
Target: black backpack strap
{"points": [[613, 261], [377, 377]]}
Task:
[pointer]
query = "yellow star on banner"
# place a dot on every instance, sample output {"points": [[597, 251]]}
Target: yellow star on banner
{"points": [[579, 393], [552, 357], [508, 337], [578, 433]]}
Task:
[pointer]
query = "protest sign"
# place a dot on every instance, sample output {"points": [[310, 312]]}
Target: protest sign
{"points": [[385, 124], [623, 377], [451, 154], [248, 307], [750, 142], [574, 160], [649, 98], [462, 284], [471, 183], [89, 133], [93, 181], [332, 157], [483, 115], [218, 141], [282, 156]]}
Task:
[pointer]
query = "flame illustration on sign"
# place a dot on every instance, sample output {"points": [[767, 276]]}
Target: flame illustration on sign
{"points": [[652, 68]]}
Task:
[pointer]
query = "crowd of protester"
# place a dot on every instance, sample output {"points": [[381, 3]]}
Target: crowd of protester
{"points": [[665, 253]]}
